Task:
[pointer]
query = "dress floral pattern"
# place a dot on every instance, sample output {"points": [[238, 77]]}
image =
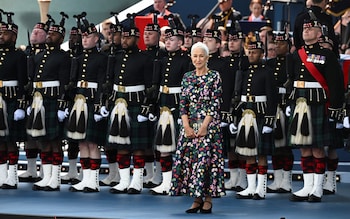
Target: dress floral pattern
{"points": [[199, 164]]}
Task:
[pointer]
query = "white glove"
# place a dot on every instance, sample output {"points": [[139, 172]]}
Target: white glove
{"points": [[152, 117], [339, 125], [266, 130], [233, 129], [104, 112], [179, 121], [288, 111], [346, 122], [223, 124], [29, 110], [66, 112], [19, 114], [97, 117], [61, 115], [141, 118]]}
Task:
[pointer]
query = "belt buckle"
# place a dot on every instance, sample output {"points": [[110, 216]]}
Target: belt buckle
{"points": [[165, 90], [1, 84], [300, 84], [84, 84], [250, 98], [39, 84], [121, 88]]}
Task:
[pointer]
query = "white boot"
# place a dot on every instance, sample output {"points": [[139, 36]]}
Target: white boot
{"points": [[80, 186], [31, 174], [55, 181], [164, 187], [124, 183], [286, 185], [277, 180], [113, 169], [72, 171], [12, 178], [3, 173], [93, 182], [242, 180], [260, 191], [157, 177], [46, 168], [136, 184], [303, 194], [317, 190], [250, 190], [231, 183], [330, 185], [116, 179], [149, 168]]}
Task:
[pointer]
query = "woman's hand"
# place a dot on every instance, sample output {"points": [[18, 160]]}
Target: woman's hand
{"points": [[189, 132], [203, 131]]}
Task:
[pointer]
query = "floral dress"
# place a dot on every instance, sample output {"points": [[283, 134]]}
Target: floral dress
{"points": [[199, 164]]}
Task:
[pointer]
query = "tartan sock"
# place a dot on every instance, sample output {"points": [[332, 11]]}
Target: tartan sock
{"points": [[332, 164], [85, 163], [95, 164], [139, 161], [166, 163], [3, 157], [277, 162], [262, 170], [123, 160], [46, 157], [307, 164], [251, 168], [233, 164], [149, 158], [57, 158], [32, 153], [13, 157], [288, 162], [242, 164], [320, 165]]}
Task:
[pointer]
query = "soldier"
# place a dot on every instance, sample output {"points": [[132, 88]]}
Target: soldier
{"points": [[282, 158], [254, 137], [151, 38], [37, 43], [75, 49], [238, 62], [131, 76], [86, 124], [46, 113], [316, 99], [111, 49], [173, 67], [193, 34], [12, 114]]}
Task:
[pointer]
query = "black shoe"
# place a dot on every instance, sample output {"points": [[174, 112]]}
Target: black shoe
{"points": [[282, 190], [113, 184], [72, 189], [74, 181], [328, 192], [116, 191], [239, 189], [133, 191], [268, 190], [7, 186], [29, 179], [206, 211], [157, 193], [196, 209], [238, 196], [295, 198], [256, 196], [38, 188], [90, 190], [314, 198], [49, 189], [150, 185]]}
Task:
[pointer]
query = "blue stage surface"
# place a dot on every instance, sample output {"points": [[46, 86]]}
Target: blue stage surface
{"points": [[25, 203]]}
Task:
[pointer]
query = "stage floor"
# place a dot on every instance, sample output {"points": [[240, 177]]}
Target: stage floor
{"points": [[25, 203]]}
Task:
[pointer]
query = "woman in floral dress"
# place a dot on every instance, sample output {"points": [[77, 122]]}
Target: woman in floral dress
{"points": [[199, 164]]}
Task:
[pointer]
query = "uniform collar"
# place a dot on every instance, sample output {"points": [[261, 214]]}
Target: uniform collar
{"points": [[172, 54], [92, 50]]}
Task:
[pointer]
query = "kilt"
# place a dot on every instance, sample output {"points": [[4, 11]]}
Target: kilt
{"points": [[17, 129], [139, 131], [321, 131], [336, 136], [54, 128]]}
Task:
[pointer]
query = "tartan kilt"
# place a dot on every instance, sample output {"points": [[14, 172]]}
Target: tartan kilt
{"points": [[336, 136], [17, 129], [321, 131], [266, 144], [139, 131], [54, 128]]}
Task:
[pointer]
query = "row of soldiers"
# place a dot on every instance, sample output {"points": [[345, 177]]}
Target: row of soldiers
{"points": [[133, 96]]}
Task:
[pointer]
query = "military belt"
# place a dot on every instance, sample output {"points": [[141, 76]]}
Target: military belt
{"points": [[87, 84], [169, 90], [306, 84], [128, 89], [251, 98], [8, 83], [42, 84]]}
